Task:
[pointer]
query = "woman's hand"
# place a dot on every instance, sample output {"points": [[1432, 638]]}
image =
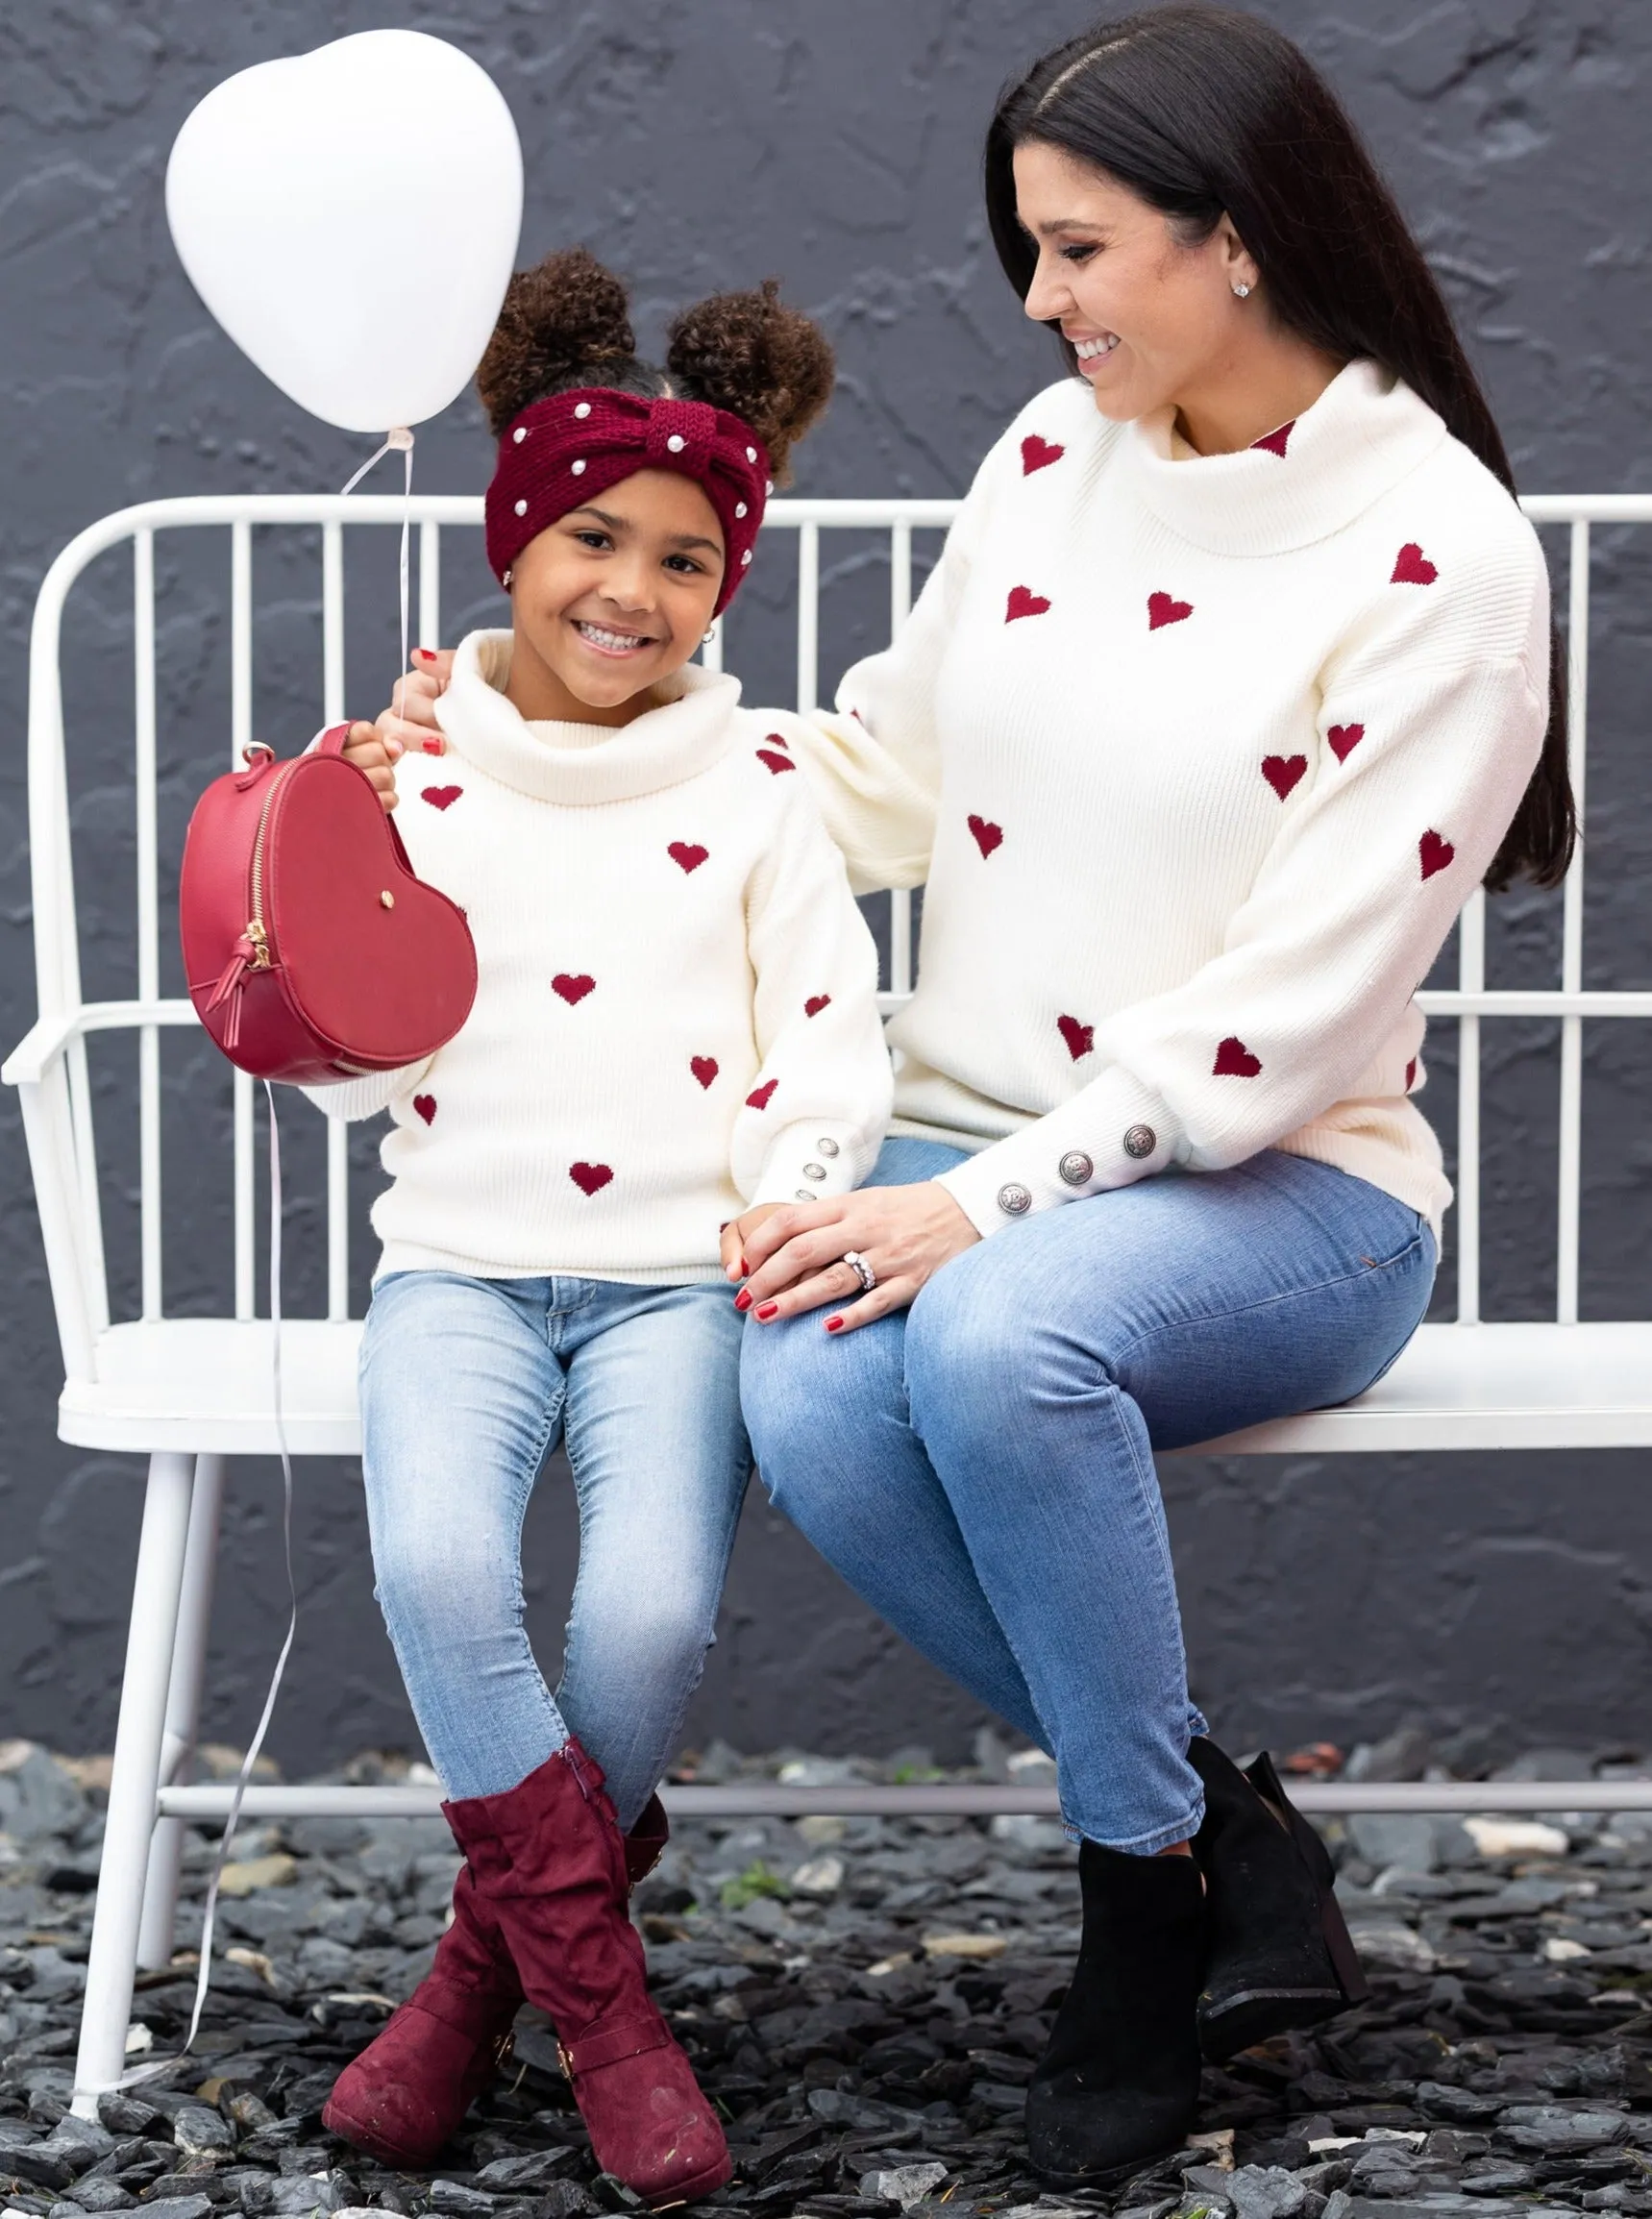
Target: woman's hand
{"points": [[410, 722], [793, 1252]]}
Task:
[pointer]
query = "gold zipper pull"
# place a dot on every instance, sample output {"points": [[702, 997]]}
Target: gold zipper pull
{"points": [[260, 955]]}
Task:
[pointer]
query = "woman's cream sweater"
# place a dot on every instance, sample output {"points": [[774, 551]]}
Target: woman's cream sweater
{"points": [[1199, 759]]}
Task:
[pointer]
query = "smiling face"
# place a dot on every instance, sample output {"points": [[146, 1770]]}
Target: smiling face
{"points": [[612, 599], [1154, 322]]}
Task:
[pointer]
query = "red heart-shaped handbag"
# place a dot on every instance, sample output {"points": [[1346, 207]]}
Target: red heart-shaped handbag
{"points": [[310, 950]]}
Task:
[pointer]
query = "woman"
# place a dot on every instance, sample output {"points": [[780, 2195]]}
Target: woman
{"points": [[1231, 685]]}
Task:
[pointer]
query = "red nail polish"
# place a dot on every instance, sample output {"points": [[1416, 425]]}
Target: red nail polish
{"points": [[767, 1310], [741, 1300], [426, 654], [432, 746], [835, 1324], [744, 1268]]}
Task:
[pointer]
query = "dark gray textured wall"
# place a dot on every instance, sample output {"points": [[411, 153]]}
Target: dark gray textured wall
{"points": [[837, 146]]}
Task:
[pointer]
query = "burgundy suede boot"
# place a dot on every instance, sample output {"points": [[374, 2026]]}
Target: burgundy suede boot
{"points": [[645, 1843], [403, 2098], [549, 1864]]}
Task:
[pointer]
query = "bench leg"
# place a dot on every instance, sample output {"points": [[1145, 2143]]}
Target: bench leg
{"points": [[154, 1933], [125, 1862]]}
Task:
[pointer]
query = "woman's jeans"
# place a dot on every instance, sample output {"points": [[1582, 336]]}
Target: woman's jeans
{"points": [[980, 1467], [466, 1384]]}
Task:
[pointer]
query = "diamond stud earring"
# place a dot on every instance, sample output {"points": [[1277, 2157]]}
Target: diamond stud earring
{"points": [[1241, 291]]}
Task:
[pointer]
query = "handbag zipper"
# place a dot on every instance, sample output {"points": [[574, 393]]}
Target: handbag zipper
{"points": [[260, 958], [252, 952]]}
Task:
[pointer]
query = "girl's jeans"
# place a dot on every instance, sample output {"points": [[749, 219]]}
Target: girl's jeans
{"points": [[980, 1467], [465, 1386]]}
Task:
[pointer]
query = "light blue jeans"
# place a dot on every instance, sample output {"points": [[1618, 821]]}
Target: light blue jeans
{"points": [[466, 1384], [980, 1467]]}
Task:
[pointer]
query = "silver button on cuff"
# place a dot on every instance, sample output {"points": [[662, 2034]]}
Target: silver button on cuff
{"points": [[1013, 1201], [803, 1194], [1140, 1142], [814, 1171], [1076, 1170], [828, 1148]]}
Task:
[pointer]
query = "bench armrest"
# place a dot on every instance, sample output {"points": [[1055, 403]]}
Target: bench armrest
{"points": [[38, 1050]]}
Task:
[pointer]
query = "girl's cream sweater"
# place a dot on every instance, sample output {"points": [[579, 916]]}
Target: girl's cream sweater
{"points": [[675, 1012]]}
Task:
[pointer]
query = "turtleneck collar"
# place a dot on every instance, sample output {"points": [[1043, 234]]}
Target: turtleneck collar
{"points": [[581, 764], [1300, 483]]}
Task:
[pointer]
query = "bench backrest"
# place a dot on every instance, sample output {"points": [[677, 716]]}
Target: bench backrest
{"points": [[872, 535]]}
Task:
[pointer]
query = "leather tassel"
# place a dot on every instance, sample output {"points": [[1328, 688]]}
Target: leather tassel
{"points": [[231, 984]]}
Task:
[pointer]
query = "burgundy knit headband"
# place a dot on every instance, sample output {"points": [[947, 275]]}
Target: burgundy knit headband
{"points": [[561, 453]]}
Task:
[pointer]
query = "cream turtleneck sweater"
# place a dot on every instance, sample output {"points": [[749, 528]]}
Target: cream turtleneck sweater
{"points": [[675, 1012], [1199, 759]]}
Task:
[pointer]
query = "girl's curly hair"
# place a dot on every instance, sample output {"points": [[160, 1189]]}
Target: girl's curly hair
{"points": [[565, 324]]}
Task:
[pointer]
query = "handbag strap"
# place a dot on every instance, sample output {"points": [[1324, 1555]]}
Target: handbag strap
{"points": [[332, 743]]}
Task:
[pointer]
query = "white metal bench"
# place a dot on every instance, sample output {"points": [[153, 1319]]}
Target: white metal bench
{"points": [[189, 1393]]}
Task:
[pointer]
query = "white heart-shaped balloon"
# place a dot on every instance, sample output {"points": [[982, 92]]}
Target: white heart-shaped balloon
{"points": [[351, 217]]}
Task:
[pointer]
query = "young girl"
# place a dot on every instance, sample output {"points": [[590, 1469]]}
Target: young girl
{"points": [[675, 1023]]}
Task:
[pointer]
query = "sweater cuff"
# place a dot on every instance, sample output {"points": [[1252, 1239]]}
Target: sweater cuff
{"points": [[811, 1162], [1112, 1133]]}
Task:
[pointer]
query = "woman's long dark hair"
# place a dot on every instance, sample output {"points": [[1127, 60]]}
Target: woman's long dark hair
{"points": [[1203, 112]]}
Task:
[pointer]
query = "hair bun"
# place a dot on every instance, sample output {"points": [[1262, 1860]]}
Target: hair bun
{"points": [[751, 353], [566, 316]]}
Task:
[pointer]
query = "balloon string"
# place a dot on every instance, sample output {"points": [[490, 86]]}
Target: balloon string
{"points": [[401, 441]]}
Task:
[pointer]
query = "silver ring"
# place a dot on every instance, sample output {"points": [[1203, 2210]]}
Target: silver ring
{"points": [[862, 1270]]}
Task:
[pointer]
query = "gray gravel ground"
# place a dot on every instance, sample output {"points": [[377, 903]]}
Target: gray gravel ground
{"points": [[864, 2000]]}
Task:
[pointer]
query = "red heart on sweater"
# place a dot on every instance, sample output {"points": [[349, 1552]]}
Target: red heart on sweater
{"points": [[1275, 442], [704, 1068], [1234, 1060], [762, 1096], [590, 1178], [1435, 854], [1412, 567], [1284, 772], [573, 986], [441, 796], [1080, 1039], [1024, 602], [686, 856], [987, 834], [777, 763], [1411, 1075], [1162, 609], [1343, 739], [1038, 454], [425, 1105], [815, 1003]]}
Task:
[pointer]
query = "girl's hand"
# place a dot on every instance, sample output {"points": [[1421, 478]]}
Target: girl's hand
{"points": [[410, 722], [369, 752], [737, 1232], [795, 1256]]}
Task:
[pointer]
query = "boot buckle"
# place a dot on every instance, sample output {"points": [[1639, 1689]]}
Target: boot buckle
{"points": [[566, 2061]]}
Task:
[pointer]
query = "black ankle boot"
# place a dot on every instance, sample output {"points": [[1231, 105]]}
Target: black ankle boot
{"points": [[1280, 1955], [1118, 2084]]}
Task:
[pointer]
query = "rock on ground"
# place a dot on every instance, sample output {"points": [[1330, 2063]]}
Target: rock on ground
{"points": [[864, 2001]]}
